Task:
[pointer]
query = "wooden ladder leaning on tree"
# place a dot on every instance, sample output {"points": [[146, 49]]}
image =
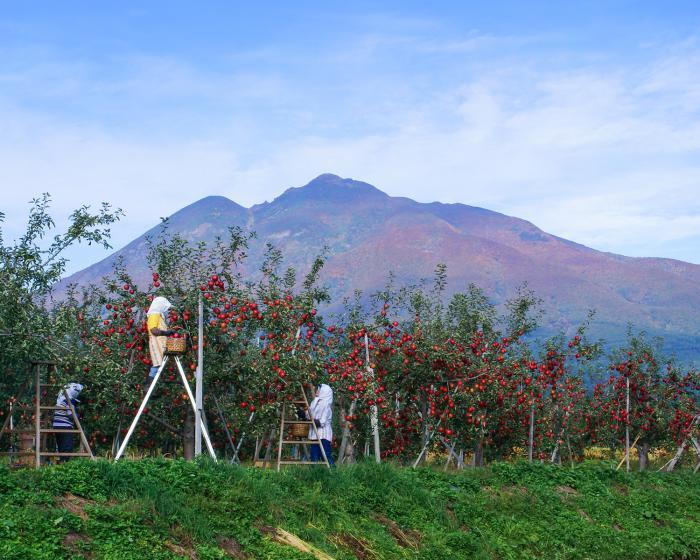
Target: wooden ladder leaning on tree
{"points": [[294, 432], [42, 422]]}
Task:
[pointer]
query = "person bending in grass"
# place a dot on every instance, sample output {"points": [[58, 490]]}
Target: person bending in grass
{"points": [[321, 410], [157, 332]]}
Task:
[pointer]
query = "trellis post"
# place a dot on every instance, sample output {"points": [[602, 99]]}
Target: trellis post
{"points": [[198, 389]]}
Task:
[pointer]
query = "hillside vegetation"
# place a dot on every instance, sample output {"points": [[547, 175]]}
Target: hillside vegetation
{"points": [[163, 509]]}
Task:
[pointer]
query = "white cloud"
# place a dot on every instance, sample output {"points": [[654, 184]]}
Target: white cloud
{"points": [[602, 153]]}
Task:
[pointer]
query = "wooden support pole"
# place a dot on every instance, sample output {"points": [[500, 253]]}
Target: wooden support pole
{"points": [[222, 418], [37, 419], [199, 379], [531, 439], [671, 463], [627, 427], [452, 453], [374, 413], [426, 444], [83, 440], [627, 454]]}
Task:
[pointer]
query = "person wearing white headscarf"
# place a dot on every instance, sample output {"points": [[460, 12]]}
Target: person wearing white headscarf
{"points": [[63, 417], [321, 410], [157, 331]]}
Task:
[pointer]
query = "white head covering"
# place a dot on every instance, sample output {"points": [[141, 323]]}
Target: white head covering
{"points": [[159, 305], [322, 401], [325, 393], [73, 390]]}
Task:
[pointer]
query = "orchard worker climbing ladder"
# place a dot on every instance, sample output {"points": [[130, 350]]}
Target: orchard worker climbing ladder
{"points": [[63, 418], [321, 409], [158, 332]]}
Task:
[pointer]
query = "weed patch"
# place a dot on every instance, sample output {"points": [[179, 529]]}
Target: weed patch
{"points": [[171, 509]]}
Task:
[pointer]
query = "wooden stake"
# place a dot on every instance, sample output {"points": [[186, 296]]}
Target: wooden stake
{"points": [[284, 537], [531, 442], [627, 427], [627, 454], [374, 417]]}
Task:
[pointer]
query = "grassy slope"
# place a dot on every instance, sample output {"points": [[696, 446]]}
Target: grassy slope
{"points": [[174, 509]]}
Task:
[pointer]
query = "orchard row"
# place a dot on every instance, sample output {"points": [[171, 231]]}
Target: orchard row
{"points": [[442, 373]]}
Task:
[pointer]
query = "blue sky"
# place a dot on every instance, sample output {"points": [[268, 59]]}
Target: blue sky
{"points": [[584, 120]]}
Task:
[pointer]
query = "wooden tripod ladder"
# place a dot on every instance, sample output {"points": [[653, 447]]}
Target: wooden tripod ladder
{"points": [[285, 437], [42, 423]]}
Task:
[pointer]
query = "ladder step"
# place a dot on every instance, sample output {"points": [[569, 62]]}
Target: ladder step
{"points": [[300, 441], [3, 453], [58, 431], [19, 431], [49, 385], [297, 421], [302, 463], [57, 454], [54, 408], [299, 402]]}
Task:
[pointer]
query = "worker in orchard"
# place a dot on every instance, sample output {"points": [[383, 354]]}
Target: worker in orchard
{"points": [[63, 417], [158, 332], [321, 410]]}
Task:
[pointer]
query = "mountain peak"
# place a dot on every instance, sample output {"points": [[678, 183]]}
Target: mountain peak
{"points": [[325, 179], [210, 209], [331, 181], [213, 202], [330, 188]]}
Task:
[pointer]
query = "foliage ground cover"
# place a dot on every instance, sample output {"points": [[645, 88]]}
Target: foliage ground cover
{"points": [[162, 509]]}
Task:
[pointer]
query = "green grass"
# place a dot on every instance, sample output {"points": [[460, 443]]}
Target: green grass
{"points": [[153, 509]]}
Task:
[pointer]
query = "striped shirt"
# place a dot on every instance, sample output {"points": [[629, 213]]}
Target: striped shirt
{"points": [[63, 418]]}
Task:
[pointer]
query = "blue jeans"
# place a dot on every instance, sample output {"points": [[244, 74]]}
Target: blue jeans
{"points": [[316, 454], [153, 371], [64, 443]]}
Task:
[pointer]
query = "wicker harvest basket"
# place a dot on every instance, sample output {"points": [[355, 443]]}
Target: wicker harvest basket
{"points": [[299, 430], [175, 345]]}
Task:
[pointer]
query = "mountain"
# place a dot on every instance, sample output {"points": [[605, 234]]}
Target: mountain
{"points": [[370, 234]]}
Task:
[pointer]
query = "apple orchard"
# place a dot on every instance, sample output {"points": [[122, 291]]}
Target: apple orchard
{"points": [[443, 372]]}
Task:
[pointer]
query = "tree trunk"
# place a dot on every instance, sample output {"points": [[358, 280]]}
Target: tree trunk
{"points": [[188, 436], [571, 455], [349, 456], [346, 453], [268, 449], [643, 453], [478, 460], [426, 427]]}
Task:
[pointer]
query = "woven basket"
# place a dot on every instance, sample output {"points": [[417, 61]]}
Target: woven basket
{"points": [[175, 345], [299, 430]]}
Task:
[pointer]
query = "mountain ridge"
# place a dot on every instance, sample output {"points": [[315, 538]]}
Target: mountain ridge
{"points": [[370, 233]]}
